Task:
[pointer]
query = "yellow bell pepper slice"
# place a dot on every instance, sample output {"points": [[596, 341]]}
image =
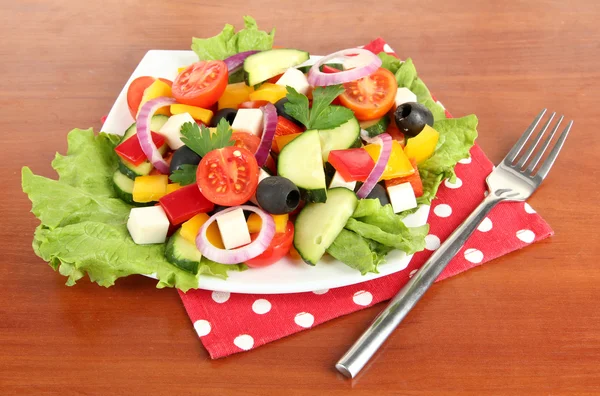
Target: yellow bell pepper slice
{"points": [[254, 223], [197, 113], [190, 229], [150, 188], [180, 69], [235, 94], [269, 92], [422, 146], [157, 89], [398, 165], [282, 140], [171, 187]]}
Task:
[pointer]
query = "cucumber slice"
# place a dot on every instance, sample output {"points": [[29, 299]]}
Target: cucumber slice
{"points": [[132, 171], [266, 64], [376, 127], [318, 224], [301, 162], [124, 189], [182, 253], [340, 138], [156, 123]]}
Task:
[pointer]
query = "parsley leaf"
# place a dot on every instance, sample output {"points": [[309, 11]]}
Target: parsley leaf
{"points": [[204, 142], [322, 115], [297, 106], [185, 175]]}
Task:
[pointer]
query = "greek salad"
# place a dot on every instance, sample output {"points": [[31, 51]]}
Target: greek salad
{"points": [[248, 155]]}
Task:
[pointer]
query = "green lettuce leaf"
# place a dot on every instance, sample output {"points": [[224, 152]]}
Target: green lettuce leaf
{"points": [[389, 62], [371, 233], [457, 136], [228, 42], [83, 226]]}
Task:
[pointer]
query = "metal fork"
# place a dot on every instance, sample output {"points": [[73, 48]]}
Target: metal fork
{"points": [[515, 179]]}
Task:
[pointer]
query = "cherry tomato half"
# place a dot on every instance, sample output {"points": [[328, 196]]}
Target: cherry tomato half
{"points": [[246, 140], [253, 104], [372, 96], [228, 176], [279, 247], [201, 84], [136, 91]]}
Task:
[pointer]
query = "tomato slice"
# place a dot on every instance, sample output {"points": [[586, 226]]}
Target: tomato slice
{"points": [[279, 247], [253, 104], [246, 140], [372, 96], [201, 84], [228, 176], [136, 91]]}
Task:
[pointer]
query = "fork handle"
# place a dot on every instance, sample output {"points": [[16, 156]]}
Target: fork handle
{"points": [[387, 321]]}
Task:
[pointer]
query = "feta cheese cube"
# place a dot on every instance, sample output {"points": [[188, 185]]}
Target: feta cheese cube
{"points": [[339, 181], [296, 79], [172, 129], [233, 229], [402, 197], [248, 120], [148, 225], [404, 95], [262, 174]]}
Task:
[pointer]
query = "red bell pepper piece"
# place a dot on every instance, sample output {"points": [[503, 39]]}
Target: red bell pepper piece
{"points": [[414, 180], [284, 127], [183, 204], [131, 150], [353, 164]]}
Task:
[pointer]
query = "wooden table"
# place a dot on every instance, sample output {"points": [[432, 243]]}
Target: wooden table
{"points": [[528, 323]]}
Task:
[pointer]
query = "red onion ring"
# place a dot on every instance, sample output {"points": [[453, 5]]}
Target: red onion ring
{"points": [[241, 254], [269, 127], [235, 62], [143, 132], [317, 78], [385, 141]]}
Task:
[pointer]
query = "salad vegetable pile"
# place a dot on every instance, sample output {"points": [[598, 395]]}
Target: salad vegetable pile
{"points": [[251, 154]]}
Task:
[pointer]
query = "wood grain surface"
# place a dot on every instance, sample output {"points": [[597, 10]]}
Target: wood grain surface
{"points": [[527, 323]]}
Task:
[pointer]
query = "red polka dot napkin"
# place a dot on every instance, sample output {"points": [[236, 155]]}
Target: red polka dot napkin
{"points": [[230, 323]]}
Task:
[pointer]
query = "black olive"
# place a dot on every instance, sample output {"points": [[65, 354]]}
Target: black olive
{"points": [[182, 156], [228, 114], [411, 118], [280, 106], [380, 193], [277, 195]]}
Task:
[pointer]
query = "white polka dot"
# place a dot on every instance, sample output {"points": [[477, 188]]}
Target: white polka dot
{"points": [[432, 242], [474, 256], [529, 209], [485, 225], [442, 210], [322, 291], [526, 236], [202, 327], [387, 48], [362, 297], [412, 273], [457, 183], [220, 297], [465, 161], [304, 319], [261, 306], [244, 342]]}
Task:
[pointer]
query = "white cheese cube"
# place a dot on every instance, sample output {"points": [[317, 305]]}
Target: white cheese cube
{"points": [[404, 95], [233, 229], [296, 79], [402, 197], [148, 225], [339, 181], [262, 174], [248, 120], [172, 129]]}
